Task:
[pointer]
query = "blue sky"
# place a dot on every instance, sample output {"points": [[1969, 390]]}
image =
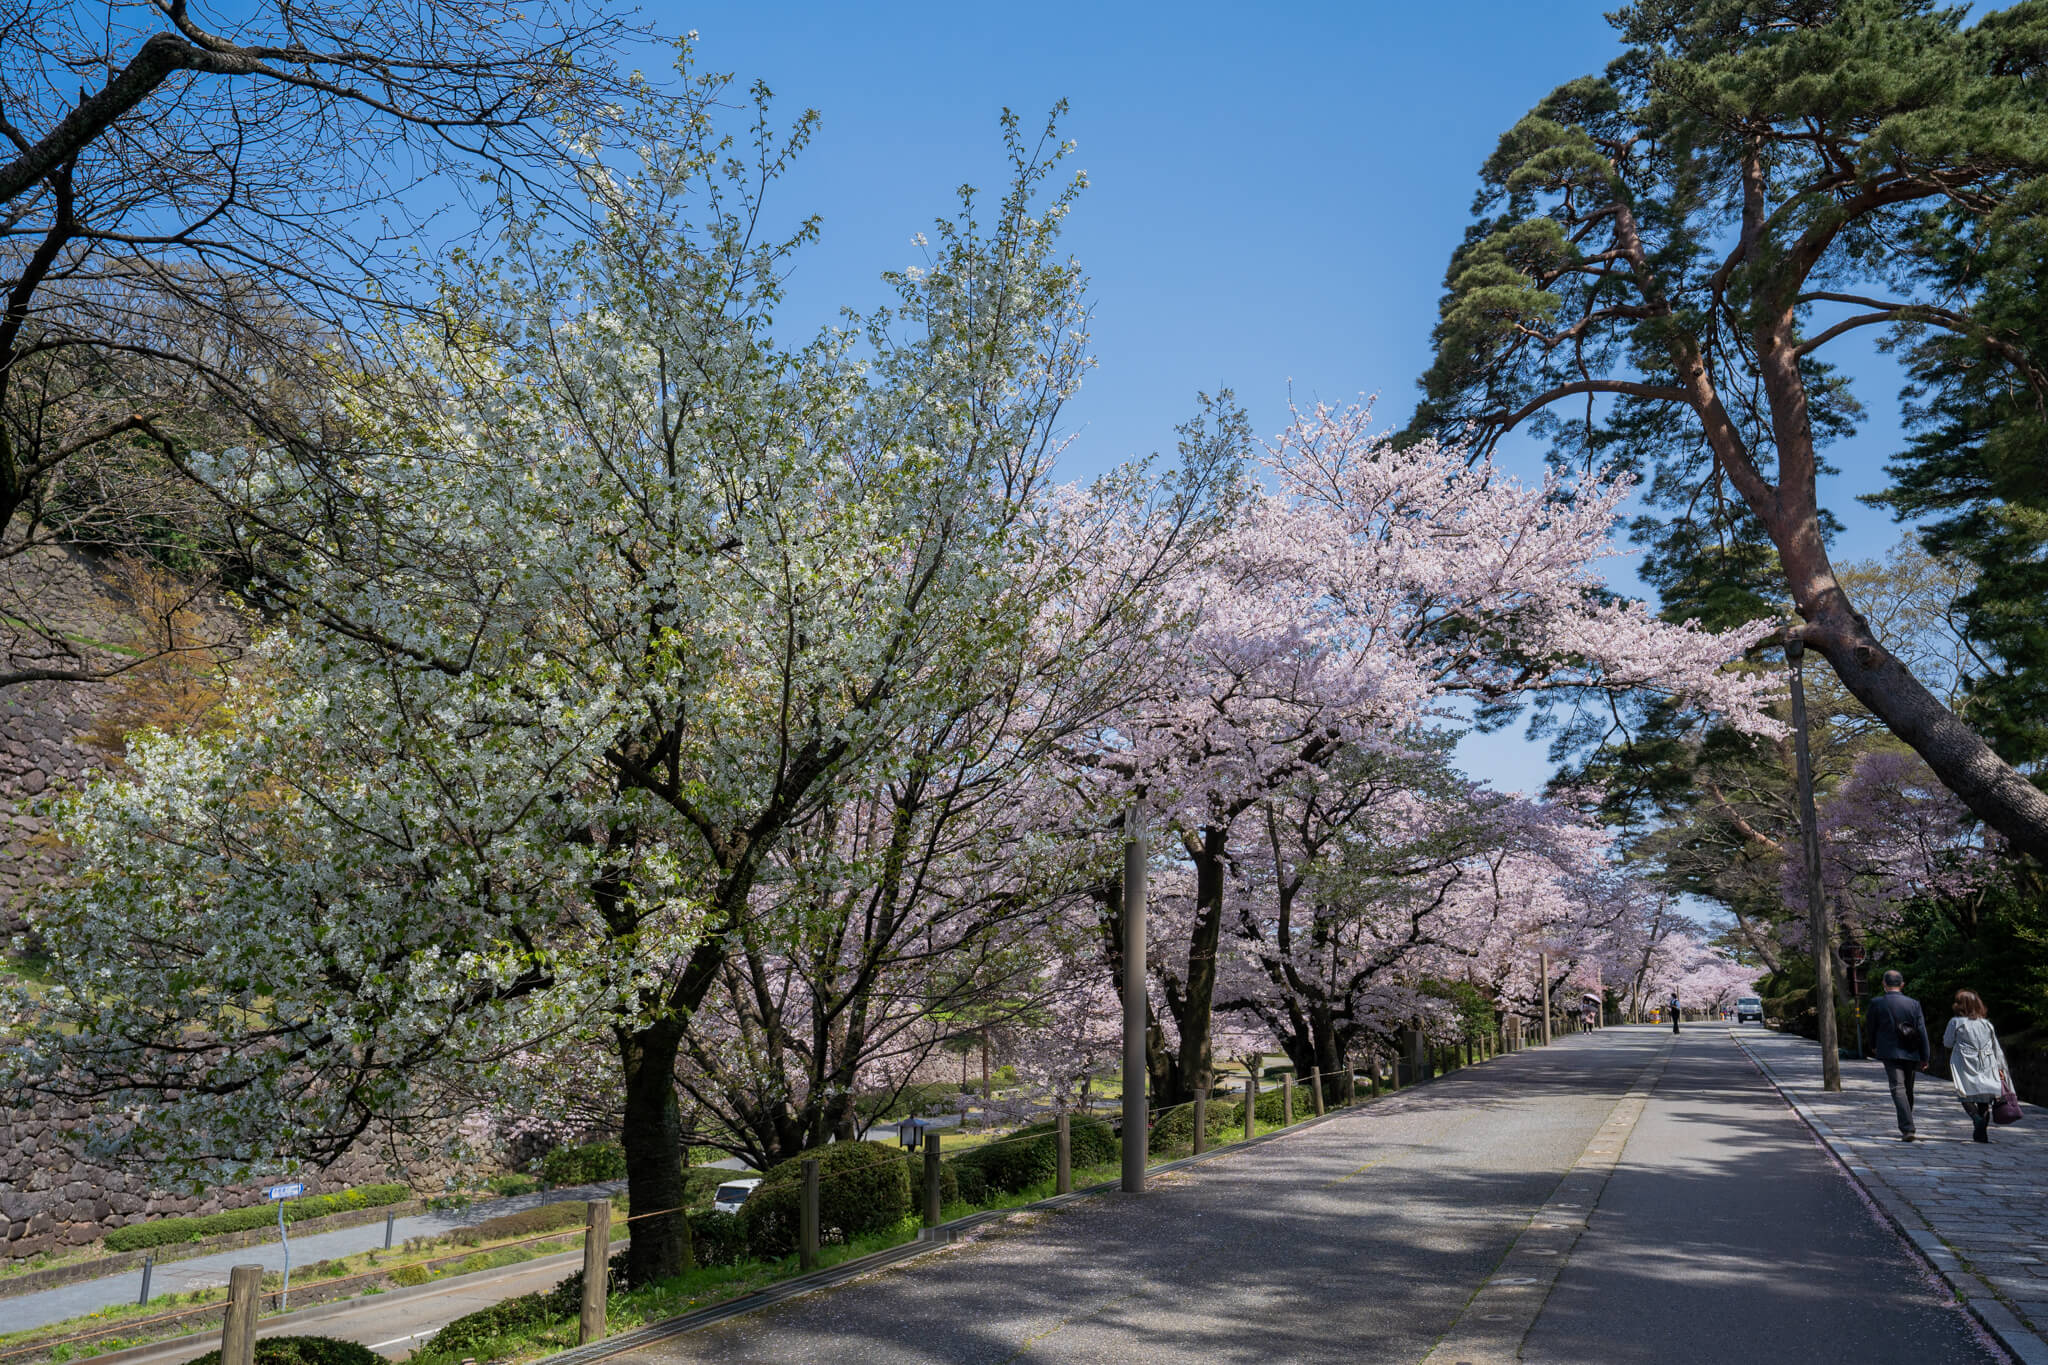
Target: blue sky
{"points": [[1274, 190]]}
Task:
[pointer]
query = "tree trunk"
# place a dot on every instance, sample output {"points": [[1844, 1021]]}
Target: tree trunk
{"points": [[652, 1135], [1194, 1068]]}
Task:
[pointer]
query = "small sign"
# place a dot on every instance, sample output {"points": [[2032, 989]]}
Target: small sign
{"points": [[291, 1191]]}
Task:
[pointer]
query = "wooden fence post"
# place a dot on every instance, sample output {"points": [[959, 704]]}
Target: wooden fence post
{"points": [[932, 1182], [238, 1327], [1251, 1106], [597, 1247], [1315, 1080], [807, 1223], [1287, 1101], [1201, 1124], [1063, 1168]]}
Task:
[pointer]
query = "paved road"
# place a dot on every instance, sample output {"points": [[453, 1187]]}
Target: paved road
{"points": [[1725, 1234], [1722, 1234], [208, 1272]]}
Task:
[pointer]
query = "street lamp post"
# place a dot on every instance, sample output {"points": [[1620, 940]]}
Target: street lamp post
{"points": [[1816, 901], [1135, 1138]]}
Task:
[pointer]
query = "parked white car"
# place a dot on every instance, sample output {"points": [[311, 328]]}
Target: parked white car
{"points": [[732, 1194]]}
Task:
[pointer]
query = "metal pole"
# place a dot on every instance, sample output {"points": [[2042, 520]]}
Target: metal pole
{"points": [[807, 1224], [1544, 959], [933, 1179], [597, 1245], [148, 1264], [1063, 1169], [1135, 1136], [238, 1327], [389, 1219], [1816, 901], [284, 1297], [1251, 1106]]}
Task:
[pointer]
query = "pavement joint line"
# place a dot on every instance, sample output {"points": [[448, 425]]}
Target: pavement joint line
{"points": [[1501, 1312], [1986, 1304]]}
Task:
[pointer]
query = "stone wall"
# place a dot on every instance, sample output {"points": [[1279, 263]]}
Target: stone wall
{"points": [[52, 1196]]}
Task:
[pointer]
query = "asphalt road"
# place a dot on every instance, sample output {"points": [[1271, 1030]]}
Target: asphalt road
{"points": [[211, 1271], [1723, 1234]]}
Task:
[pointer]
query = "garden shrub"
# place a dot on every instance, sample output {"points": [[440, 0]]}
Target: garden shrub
{"points": [[473, 1332], [585, 1164], [1030, 1155], [863, 1188], [406, 1276], [525, 1223], [949, 1181], [513, 1184], [1176, 1130], [718, 1238], [304, 1351], [164, 1231]]}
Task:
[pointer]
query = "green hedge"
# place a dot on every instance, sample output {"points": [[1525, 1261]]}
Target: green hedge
{"points": [[304, 1351], [1031, 1155], [525, 1223], [164, 1231], [584, 1165], [863, 1188]]}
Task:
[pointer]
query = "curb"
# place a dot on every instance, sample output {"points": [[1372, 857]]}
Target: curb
{"points": [[1976, 1296]]}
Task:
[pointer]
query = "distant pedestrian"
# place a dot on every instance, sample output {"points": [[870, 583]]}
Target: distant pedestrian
{"points": [[1898, 1038], [1976, 1063], [1674, 1011]]}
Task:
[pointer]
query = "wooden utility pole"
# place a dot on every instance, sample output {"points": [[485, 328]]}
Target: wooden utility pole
{"points": [[1816, 901]]}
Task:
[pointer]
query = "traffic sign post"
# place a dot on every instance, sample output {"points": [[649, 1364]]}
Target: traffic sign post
{"points": [[277, 1195]]}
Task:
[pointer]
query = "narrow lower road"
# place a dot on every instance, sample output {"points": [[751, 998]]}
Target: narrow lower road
{"points": [[1722, 1233], [211, 1271]]}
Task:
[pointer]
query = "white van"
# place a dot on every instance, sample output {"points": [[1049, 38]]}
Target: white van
{"points": [[732, 1194], [1748, 1007]]}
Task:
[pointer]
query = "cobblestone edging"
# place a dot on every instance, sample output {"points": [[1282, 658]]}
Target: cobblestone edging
{"points": [[1979, 1296], [117, 1262]]}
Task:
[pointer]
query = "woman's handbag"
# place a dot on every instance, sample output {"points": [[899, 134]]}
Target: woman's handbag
{"points": [[2007, 1110]]}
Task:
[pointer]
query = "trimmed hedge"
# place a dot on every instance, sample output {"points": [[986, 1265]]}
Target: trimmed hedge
{"points": [[863, 1187], [164, 1231], [584, 1165], [525, 1223], [304, 1351], [718, 1238], [1031, 1155]]}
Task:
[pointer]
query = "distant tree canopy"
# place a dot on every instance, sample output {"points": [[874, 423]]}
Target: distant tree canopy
{"points": [[1662, 255]]}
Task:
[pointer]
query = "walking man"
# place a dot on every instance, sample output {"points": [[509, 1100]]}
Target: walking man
{"points": [[1673, 1006], [1898, 1038]]}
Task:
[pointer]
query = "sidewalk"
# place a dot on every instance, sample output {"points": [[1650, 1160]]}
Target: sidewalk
{"points": [[1978, 1212]]}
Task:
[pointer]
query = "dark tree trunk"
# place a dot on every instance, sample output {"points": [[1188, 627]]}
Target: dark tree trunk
{"points": [[652, 1136]]}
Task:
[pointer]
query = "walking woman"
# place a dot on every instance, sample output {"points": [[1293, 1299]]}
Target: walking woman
{"points": [[1976, 1062]]}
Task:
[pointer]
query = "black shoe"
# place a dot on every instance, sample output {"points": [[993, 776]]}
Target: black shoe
{"points": [[1909, 1137], [1980, 1136]]}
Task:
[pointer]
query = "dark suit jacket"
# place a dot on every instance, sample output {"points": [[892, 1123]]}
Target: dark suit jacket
{"points": [[1887, 1013]]}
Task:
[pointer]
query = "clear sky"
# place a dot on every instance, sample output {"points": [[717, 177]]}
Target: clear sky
{"points": [[1275, 190]]}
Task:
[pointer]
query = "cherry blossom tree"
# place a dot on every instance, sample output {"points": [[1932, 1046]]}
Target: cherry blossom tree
{"points": [[1366, 591], [613, 596]]}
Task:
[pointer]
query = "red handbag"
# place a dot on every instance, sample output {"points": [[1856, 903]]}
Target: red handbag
{"points": [[2007, 1110]]}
